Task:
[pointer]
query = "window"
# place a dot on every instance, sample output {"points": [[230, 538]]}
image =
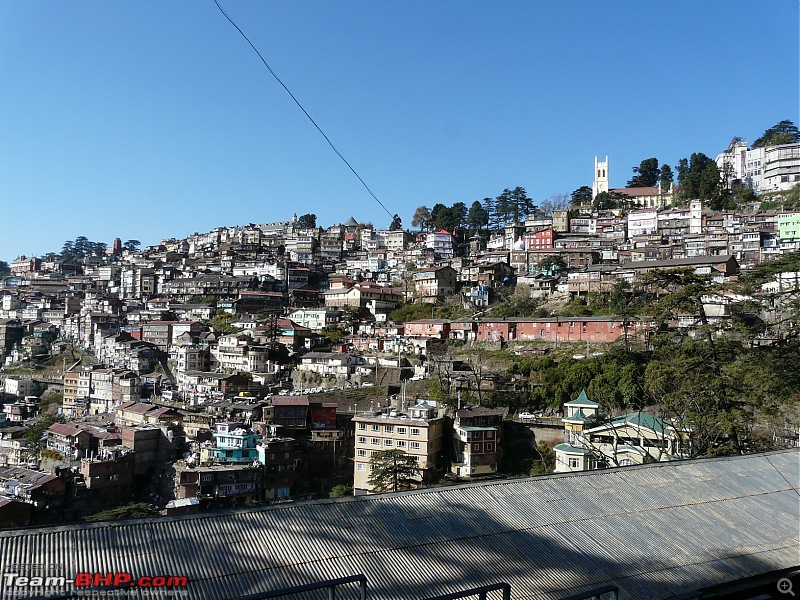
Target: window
{"points": [[414, 431], [362, 439], [361, 467], [574, 463], [415, 445], [362, 453], [376, 428], [490, 435], [489, 447], [401, 430], [388, 442], [401, 443], [476, 447], [389, 428], [362, 426], [376, 442]]}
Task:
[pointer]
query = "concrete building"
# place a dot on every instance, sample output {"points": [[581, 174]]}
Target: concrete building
{"points": [[419, 432], [476, 436]]}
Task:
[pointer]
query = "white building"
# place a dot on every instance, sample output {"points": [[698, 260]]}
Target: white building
{"points": [[441, 242], [642, 222], [600, 182], [781, 167], [770, 169]]}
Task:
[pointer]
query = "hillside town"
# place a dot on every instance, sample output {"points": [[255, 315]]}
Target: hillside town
{"points": [[281, 361]]}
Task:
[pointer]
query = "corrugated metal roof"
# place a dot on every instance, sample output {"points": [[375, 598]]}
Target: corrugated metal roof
{"points": [[654, 531]]}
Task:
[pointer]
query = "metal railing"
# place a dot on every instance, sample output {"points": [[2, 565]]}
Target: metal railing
{"points": [[481, 592], [609, 591], [330, 585]]}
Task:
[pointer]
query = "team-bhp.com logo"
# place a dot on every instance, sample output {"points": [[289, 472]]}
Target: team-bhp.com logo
{"points": [[122, 580], [27, 578]]}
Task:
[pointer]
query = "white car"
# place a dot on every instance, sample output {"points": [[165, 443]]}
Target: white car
{"points": [[527, 415]]}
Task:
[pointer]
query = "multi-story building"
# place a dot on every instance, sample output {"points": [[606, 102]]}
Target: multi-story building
{"points": [[540, 240], [237, 352], [19, 387], [13, 446], [279, 456], [290, 412], [11, 333], [781, 167], [789, 229], [764, 169], [234, 443], [192, 357], [316, 319], [219, 485], [428, 328], [419, 432], [642, 222], [441, 242], [434, 284], [476, 436]]}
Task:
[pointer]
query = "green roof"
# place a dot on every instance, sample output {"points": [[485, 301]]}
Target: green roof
{"points": [[570, 449], [582, 400], [642, 419], [579, 416]]}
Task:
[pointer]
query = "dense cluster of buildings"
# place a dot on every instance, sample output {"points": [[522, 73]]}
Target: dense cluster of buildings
{"points": [[201, 329]]}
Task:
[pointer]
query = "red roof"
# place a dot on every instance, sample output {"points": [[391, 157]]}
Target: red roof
{"points": [[290, 401], [637, 191]]}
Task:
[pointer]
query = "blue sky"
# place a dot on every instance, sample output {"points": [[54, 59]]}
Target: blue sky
{"points": [[148, 119]]}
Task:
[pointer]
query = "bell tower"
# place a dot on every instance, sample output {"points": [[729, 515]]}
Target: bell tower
{"points": [[600, 183]]}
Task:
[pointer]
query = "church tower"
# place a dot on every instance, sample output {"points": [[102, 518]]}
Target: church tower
{"points": [[600, 184]]}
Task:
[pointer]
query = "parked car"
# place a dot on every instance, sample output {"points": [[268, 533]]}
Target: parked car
{"points": [[527, 415]]}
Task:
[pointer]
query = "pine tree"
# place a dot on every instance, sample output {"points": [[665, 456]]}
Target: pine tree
{"points": [[392, 471]]}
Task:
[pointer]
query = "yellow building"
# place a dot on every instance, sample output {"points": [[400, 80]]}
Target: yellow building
{"points": [[418, 431]]}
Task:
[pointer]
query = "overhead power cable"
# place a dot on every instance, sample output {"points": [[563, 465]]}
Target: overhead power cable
{"points": [[305, 112]]}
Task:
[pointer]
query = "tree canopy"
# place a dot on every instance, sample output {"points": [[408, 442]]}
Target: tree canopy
{"points": [[582, 196], [308, 221], [393, 470], [514, 205], [784, 132], [421, 218], [81, 247], [477, 218], [700, 178], [646, 174]]}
